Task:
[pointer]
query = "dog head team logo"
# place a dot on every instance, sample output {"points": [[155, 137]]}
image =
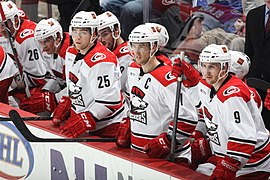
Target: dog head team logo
{"points": [[138, 105], [74, 90], [211, 127], [16, 154]]}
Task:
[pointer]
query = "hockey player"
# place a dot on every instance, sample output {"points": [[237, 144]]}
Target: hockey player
{"points": [[28, 49], [267, 100], [109, 31], [92, 73], [152, 95], [7, 72], [229, 112], [54, 43]]}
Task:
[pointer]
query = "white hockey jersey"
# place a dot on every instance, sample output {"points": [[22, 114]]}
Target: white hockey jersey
{"points": [[152, 99], [7, 66], [93, 84], [29, 54], [124, 59], [235, 126]]}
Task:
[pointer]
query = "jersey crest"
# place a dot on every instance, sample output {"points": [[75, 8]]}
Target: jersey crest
{"points": [[138, 105], [211, 127], [74, 91]]}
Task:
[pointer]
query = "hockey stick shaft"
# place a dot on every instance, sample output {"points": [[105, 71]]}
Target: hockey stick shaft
{"points": [[38, 118], [13, 49], [17, 121], [176, 112]]}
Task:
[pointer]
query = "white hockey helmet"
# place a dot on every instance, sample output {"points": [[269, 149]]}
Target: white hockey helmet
{"points": [[85, 19], [143, 33], [108, 19], [161, 31], [240, 64], [11, 11], [215, 54], [48, 27]]}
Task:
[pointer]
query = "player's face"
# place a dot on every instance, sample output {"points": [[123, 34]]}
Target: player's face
{"points": [[81, 38], [211, 72], [47, 45], [106, 38], [141, 52], [9, 26]]}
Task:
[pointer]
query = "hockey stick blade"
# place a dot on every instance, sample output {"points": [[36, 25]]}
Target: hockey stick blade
{"points": [[258, 83], [17, 121], [38, 118]]}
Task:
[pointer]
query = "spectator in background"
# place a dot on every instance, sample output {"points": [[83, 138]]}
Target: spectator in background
{"points": [[114, 6], [257, 47], [67, 9]]}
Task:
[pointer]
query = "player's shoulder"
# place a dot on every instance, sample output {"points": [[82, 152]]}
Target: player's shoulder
{"points": [[72, 50], [26, 31], [163, 75], [121, 50], [234, 87], [100, 54], [66, 44]]}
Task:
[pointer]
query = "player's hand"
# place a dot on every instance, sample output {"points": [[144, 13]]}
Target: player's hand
{"points": [[200, 151], [158, 147], [62, 111], [192, 75], [77, 124], [123, 136], [267, 100], [226, 168], [39, 102]]}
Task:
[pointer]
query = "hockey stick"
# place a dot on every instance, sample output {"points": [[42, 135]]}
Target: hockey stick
{"points": [[38, 118], [258, 83], [13, 49], [17, 121], [176, 111]]}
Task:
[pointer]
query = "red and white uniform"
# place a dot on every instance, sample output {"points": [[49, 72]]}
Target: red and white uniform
{"points": [[29, 54], [124, 58], [235, 126], [7, 72], [93, 84], [152, 99]]}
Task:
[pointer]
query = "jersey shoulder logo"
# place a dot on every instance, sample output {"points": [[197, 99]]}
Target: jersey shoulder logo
{"points": [[98, 56], [26, 32], [169, 76], [124, 50], [230, 90]]}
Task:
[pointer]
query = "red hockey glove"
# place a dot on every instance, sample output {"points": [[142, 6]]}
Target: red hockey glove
{"points": [[226, 168], [192, 75], [200, 151], [77, 124], [123, 136], [196, 135], [158, 147], [267, 100], [39, 102], [62, 111]]}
